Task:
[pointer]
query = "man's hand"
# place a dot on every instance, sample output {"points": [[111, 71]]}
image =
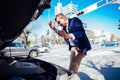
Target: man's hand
{"points": [[62, 33], [52, 25]]}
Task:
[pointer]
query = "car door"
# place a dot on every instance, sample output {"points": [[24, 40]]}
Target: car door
{"points": [[18, 49]]}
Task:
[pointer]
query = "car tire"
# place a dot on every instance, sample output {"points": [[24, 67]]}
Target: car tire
{"points": [[46, 51], [33, 53]]}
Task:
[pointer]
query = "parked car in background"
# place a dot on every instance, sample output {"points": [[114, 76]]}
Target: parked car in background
{"points": [[107, 44], [42, 49], [19, 49]]}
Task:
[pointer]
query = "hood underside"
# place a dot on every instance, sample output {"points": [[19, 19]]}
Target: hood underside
{"points": [[15, 15]]}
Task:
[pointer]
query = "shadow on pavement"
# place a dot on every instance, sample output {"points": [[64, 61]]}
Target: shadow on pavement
{"points": [[110, 73], [83, 76], [107, 67], [115, 51]]}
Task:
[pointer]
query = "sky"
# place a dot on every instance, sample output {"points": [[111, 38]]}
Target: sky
{"points": [[105, 18]]}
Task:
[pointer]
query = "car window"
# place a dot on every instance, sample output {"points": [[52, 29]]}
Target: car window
{"points": [[16, 45]]}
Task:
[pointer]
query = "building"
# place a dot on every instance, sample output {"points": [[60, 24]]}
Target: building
{"points": [[67, 10], [58, 8]]}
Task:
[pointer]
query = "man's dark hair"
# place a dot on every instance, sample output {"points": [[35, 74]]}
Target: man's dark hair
{"points": [[60, 14]]}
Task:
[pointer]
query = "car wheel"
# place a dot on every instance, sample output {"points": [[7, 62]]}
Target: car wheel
{"points": [[46, 50], [33, 54]]}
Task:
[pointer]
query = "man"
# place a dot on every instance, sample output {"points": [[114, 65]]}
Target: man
{"points": [[74, 35]]}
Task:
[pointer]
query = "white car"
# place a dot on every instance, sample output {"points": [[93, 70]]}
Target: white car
{"points": [[42, 49]]}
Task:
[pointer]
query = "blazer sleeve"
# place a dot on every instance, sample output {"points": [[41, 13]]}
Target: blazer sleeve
{"points": [[77, 28]]}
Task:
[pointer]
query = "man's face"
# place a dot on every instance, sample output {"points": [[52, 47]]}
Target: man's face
{"points": [[61, 21]]}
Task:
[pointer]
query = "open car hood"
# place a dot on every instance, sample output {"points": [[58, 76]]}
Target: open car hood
{"points": [[15, 15]]}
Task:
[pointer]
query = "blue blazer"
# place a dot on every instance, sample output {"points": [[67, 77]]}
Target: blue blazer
{"points": [[75, 27]]}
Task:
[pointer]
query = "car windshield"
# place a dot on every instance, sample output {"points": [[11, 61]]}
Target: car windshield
{"points": [[16, 45]]}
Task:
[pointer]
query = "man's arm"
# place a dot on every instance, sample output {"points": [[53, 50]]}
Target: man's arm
{"points": [[52, 26], [62, 33]]}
